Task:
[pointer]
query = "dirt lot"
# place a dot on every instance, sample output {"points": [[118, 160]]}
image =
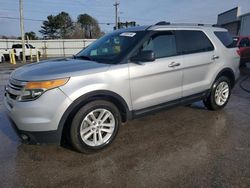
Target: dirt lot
{"points": [[181, 147]]}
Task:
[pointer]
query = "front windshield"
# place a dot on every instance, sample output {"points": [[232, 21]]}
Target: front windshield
{"points": [[112, 47]]}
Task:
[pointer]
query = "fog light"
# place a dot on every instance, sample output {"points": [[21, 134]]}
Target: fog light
{"points": [[24, 137]]}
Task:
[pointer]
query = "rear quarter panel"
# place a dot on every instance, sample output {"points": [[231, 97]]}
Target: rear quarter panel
{"points": [[229, 58]]}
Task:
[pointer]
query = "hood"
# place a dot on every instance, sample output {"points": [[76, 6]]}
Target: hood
{"points": [[58, 68]]}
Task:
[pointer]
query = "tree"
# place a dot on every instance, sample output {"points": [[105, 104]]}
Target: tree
{"points": [[4, 37], [30, 35], [59, 26], [65, 24], [90, 26], [78, 32], [49, 28]]}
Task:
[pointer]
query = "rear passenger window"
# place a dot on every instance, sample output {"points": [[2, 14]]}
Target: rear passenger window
{"points": [[162, 44], [193, 42], [225, 38]]}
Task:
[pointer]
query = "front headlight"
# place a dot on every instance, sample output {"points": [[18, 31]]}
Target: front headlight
{"points": [[33, 90]]}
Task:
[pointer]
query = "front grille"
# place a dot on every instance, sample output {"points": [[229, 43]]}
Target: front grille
{"points": [[14, 88]]}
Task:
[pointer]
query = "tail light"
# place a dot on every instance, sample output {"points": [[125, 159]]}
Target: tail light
{"points": [[238, 52]]}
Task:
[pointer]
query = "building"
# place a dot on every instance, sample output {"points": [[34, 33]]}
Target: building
{"points": [[234, 22], [245, 25]]}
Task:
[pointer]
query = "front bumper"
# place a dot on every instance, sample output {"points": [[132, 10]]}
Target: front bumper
{"points": [[38, 120], [42, 137]]}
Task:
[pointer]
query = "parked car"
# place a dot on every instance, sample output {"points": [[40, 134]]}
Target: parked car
{"points": [[124, 75], [29, 50], [244, 48]]}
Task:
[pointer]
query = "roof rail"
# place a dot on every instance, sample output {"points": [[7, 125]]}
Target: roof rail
{"points": [[163, 23], [192, 24], [186, 24]]}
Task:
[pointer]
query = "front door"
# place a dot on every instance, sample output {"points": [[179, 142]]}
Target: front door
{"points": [[157, 82]]}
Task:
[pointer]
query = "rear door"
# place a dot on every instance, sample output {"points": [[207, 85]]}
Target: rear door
{"points": [[198, 58], [157, 82]]}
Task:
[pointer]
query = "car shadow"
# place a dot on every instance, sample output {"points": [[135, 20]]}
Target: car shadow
{"points": [[6, 128], [197, 105]]}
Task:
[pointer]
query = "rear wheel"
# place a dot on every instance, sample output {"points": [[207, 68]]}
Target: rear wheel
{"points": [[95, 126], [20, 57], [219, 95]]}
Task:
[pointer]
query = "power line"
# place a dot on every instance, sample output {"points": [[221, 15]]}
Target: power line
{"points": [[16, 18], [71, 4], [39, 20], [42, 12], [16, 10]]}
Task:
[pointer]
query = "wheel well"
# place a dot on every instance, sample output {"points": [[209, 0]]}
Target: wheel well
{"points": [[229, 74], [72, 110]]}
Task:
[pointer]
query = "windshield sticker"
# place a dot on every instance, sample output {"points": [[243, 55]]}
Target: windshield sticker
{"points": [[127, 34]]}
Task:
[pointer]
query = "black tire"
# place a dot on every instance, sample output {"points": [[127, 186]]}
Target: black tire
{"points": [[242, 65], [75, 137], [210, 101], [2, 59], [20, 58]]}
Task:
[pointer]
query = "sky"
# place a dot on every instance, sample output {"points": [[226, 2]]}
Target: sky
{"points": [[144, 12]]}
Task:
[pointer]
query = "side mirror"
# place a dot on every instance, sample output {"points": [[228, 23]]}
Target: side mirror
{"points": [[144, 56]]}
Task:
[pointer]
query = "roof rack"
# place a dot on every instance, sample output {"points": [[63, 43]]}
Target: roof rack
{"points": [[163, 23], [186, 24]]}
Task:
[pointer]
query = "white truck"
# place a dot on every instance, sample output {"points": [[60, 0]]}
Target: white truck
{"points": [[29, 50]]}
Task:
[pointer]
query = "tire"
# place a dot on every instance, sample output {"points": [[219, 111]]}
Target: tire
{"points": [[219, 94], [242, 64], [2, 59], [85, 131], [20, 57]]}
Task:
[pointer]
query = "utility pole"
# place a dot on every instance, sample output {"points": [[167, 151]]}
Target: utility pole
{"points": [[116, 14], [22, 29]]}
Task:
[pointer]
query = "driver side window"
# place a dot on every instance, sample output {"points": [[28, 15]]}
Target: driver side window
{"points": [[162, 44]]}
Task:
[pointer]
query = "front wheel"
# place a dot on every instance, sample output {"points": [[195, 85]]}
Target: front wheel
{"points": [[219, 95], [95, 126], [2, 59]]}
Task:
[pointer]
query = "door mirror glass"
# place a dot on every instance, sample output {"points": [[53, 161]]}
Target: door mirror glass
{"points": [[144, 56]]}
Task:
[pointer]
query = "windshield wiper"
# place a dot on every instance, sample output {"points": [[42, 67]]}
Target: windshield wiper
{"points": [[82, 57]]}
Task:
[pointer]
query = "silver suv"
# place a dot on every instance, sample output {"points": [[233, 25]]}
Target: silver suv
{"points": [[124, 75]]}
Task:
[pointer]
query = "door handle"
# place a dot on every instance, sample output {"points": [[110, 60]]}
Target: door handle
{"points": [[215, 57], [174, 64]]}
